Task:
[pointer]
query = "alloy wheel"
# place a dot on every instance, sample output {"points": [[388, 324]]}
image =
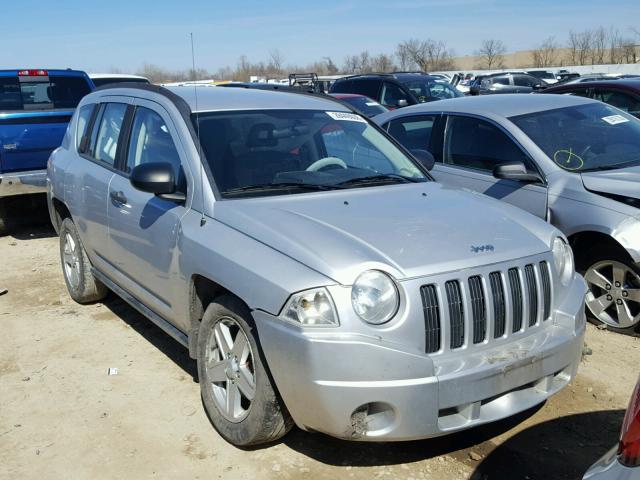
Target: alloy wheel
{"points": [[71, 261], [230, 370], [614, 293]]}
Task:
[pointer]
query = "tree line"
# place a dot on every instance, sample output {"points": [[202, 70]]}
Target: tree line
{"points": [[587, 47]]}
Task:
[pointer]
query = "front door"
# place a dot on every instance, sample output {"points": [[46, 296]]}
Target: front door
{"points": [[471, 148], [143, 228]]}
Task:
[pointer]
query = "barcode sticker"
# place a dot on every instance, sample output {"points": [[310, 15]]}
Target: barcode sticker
{"points": [[350, 117], [615, 119]]}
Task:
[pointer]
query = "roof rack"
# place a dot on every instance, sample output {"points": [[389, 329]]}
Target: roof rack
{"points": [[287, 89]]}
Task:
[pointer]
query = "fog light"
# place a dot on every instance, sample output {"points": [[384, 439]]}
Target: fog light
{"points": [[372, 419]]}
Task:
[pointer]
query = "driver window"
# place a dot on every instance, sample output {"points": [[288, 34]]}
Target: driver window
{"points": [[392, 94], [151, 142], [474, 143]]}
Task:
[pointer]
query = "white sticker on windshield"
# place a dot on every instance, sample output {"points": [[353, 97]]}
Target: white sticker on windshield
{"points": [[615, 119], [350, 117], [371, 104]]}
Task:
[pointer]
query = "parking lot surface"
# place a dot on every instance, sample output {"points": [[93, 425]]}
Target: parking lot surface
{"points": [[63, 416]]}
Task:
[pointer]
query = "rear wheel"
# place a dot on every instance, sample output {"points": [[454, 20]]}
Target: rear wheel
{"points": [[236, 388], [76, 267], [613, 296]]}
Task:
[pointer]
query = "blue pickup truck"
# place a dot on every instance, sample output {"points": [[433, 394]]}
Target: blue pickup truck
{"points": [[35, 108]]}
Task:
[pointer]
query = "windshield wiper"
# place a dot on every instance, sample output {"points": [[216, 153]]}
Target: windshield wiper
{"points": [[381, 178], [278, 186], [614, 166]]}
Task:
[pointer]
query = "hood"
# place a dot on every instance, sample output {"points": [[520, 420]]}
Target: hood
{"points": [[407, 230], [622, 181]]}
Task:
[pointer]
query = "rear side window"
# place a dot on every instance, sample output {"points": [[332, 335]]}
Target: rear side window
{"points": [[84, 116], [368, 88], [106, 133], [344, 86], [10, 94], [413, 133], [151, 142], [41, 92]]}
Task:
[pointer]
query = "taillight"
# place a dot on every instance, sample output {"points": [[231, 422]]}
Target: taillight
{"points": [[629, 449], [33, 73]]}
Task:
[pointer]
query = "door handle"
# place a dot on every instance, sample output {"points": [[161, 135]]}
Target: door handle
{"points": [[118, 197]]}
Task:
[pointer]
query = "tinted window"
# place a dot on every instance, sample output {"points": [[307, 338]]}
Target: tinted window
{"points": [[620, 100], [392, 94], [10, 94], [412, 132], [427, 91], [108, 132], [525, 81], [578, 92], [368, 88], [474, 143], [296, 147], [594, 136], [84, 116], [98, 82], [344, 86], [500, 81], [151, 142]]}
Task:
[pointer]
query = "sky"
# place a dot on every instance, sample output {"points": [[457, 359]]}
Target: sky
{"points": [[98, 36]]}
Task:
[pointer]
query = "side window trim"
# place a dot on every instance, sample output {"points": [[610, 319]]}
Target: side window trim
{"points": [[123, 141], [532, 162]]}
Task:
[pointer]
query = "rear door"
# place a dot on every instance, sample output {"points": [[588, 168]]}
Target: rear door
{"points": [[143, 228], [471, 148], [35, 109]]}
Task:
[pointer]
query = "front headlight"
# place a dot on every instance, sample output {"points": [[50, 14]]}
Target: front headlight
{"points": [[375, 297], [562, 260], [311, 308]]}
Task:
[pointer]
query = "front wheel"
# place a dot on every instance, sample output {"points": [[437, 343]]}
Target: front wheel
{"points": [[237, 391], [613, 298]]}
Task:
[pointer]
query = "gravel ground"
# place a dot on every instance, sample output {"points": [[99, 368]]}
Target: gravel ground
{"points": [[62, 416]]}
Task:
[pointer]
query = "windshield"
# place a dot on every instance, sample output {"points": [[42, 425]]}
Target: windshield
{"points": [[587, 137], [293, 151], [428, 90], [41, 93], [365, 105]]}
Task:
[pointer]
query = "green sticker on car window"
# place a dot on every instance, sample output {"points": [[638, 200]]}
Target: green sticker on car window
{"points": [[568, 160]]}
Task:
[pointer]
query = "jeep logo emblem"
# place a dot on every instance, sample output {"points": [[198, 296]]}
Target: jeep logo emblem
{"points": [[481, 248]]}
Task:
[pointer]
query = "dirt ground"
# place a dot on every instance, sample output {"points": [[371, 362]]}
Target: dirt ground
{"points": [[63, 417]]}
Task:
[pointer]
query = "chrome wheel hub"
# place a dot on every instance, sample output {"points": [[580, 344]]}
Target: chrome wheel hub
{"points": [[71, 261], [614, 293], [230, 370]]}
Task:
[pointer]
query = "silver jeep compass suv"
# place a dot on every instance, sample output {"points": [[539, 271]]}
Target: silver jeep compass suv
{"points": [[311, 265]]}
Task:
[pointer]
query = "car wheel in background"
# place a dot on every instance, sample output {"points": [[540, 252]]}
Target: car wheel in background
{"points": [[613, 296], [76, 267], [236, 388]]}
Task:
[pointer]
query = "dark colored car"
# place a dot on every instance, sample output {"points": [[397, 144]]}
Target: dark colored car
{"points": [[506, 82], [365, 105], [623, 94], [395, 90]]}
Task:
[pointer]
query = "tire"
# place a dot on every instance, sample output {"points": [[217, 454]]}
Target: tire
{"points": [[257, 415], [4, 219], [76, 267], [613, 297]]}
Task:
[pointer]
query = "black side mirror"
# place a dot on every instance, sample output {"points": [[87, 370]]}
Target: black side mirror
{"points": [[402, 103], [515, 171], [424, 157], [157, 178]]}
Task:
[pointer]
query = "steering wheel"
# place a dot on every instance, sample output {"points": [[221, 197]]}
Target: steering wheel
{"points": [[326, 162]]}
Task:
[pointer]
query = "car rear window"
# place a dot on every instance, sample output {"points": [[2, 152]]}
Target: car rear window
{"points": [[41, 93]]}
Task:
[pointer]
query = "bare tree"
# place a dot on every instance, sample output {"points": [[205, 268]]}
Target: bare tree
{"points": [[579, 45], [491, 54], [276, 61], [426, 55], [382, 63], [598, 46], [330, 67], [545, 55]]}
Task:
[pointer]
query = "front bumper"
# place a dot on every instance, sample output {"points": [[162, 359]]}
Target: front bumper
{"points": [[361, 387], [21, 183]]}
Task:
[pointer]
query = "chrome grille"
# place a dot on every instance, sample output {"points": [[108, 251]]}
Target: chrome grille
{"points": [[516, 293], [546, 289], [480, 308], [532, 293], [499, 306], [431, 309], [456, 313]]}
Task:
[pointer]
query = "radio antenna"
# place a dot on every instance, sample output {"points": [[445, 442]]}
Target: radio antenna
{"points": [[203, 219]]}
